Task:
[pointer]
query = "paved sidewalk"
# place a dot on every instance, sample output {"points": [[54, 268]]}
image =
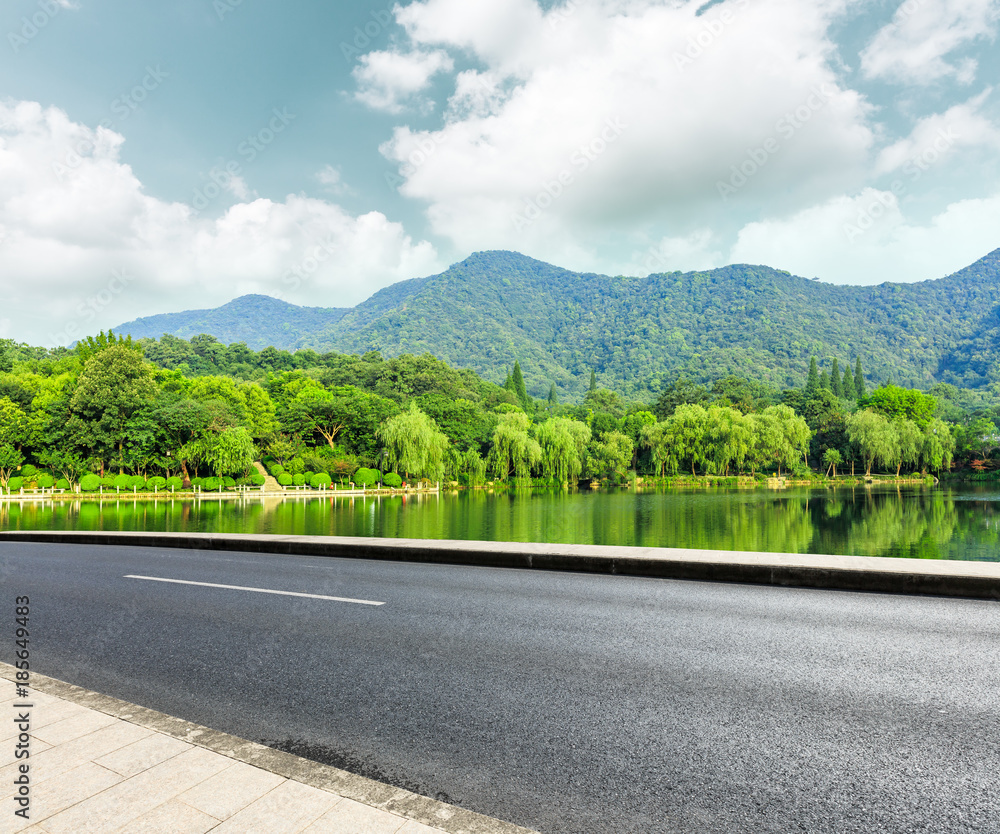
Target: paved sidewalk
{"points": [[102, 765]]}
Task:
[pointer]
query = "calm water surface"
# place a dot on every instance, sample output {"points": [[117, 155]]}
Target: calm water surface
{"points": [[921, 522]]}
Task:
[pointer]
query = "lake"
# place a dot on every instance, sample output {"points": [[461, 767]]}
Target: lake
{"points": [[912, 521]]}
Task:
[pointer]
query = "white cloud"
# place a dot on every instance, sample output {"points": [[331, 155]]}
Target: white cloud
{"points": [[692, 94], [85, 248], [938, 135], [914, 48], [333, 181], [387, 81], [867, 239]]}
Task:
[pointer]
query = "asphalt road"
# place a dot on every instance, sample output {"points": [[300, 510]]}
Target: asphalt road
{"points": [[563, 702]]}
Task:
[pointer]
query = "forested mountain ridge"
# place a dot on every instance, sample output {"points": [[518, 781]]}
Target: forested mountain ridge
{"points": [[497, 307], [257, 320]]}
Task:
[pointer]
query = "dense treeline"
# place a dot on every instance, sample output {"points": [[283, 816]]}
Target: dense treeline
{"points": [[171, 412]]}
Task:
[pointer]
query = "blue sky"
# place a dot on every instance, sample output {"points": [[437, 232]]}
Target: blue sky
{"points": [[158, 157]]}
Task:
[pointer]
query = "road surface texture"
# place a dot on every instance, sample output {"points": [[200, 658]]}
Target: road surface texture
{"points": [[567, 703]]}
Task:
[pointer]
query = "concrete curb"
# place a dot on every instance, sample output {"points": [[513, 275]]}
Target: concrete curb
{"points": [[413, 806], [978, 580]]}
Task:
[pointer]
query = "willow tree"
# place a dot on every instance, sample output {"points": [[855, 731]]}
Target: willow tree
{"points": [[562, 442], [230, 452], [874, 437], [938, 445], [514, 449], [685, 431], [414, 443], [909, 443], [728, 437]]}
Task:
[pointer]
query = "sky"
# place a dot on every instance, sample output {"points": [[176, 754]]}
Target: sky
{"points": [[157, 157]]}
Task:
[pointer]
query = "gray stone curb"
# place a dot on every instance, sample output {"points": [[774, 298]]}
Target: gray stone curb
{"points": [[325, 777], [978, 580]]}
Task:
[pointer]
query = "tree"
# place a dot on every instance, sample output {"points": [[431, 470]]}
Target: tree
{"points": [[836, 381], [938, 446], [10, 460], [728, 438], [593, 380], [680, 392], [414, 443], [901, 403], [824, 381], [514, 450], [686, 431], [562, 442], [859, 380], [909, 442], [610, 457], [114, 386], [553, 400], [847, 389], [519, 388], [812, 381], [231, 452], [831, 457], [792, 439], [14, 424], [871, 433]]}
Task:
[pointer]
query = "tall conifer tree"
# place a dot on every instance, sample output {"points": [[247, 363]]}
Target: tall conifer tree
{"points": [[812, 382], [847, 385], [859, 380], [519, 386], [836, 383], [593, 380], [824, 380]]}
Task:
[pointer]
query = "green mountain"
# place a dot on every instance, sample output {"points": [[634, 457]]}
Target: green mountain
{"points": [[637, 333], [257, 320]]}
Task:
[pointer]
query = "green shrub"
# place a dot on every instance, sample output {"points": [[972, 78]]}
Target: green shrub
{"points": [[391, 479], [285, 479], [367, 477], [62, 483], [299, 480], [28, 472], [277, 470], [122, 481], [211, 484], [198, 482], [296, 466], [174, 482], [257, 480], [108, 481], [156, 483], [89, 483], [320, 481], [46, 481], [137, 482], [15, 484], [228, 482]]}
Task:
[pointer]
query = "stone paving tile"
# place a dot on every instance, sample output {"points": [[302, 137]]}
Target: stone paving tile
{"points": [[350, 817], [73, 727], [231, 790], [134, 797], [288, 809], [56, 795], [414, 827], [143, 754], [7, 752], [173, 817], [50, 762], [43, 715]]}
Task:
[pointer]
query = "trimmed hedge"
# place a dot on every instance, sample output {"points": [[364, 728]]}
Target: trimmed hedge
{"points": [[277, 470], [284, 479], [28, 471], [257, 480], [299, 480], [46, 481], [62, 483], [122, 481], [321, 480], [391, 479], [90, 483], [15, 484], [228, 482], [137, 482], [174, 482], [211, 484], [367, 477], [156, 483]]}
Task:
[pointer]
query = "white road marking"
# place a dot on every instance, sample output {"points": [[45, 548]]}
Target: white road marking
{"points": [[257, 590]]}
